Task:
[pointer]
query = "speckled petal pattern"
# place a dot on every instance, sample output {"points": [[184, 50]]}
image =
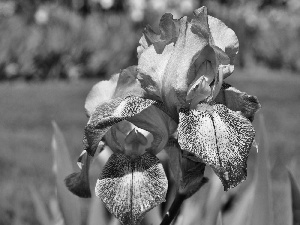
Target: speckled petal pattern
{"points": [[131, 187], [220, 137], [236, 100]]}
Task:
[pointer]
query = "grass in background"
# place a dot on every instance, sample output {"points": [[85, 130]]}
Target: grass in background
{"points": [[25, 130]]}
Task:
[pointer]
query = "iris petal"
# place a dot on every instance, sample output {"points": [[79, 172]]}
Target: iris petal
{"points": [[100, 93], [120, 85], [108, 114], [158, 123], [169, 30], [131, 187], [236, 100], [78, 183], [220, 137], [224, 37], [185, 50]]}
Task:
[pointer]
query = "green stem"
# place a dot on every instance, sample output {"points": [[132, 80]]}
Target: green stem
{"points": [[174, 209]]}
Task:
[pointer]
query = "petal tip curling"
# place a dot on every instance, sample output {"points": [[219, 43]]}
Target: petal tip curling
{"points": [[220, 137], [77, 185]]}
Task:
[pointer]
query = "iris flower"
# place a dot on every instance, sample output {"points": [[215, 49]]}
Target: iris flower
{"points": [[177, 86], [136, 129]]}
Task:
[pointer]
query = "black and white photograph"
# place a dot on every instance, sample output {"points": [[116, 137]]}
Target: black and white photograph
{"points": [[149, 112]]}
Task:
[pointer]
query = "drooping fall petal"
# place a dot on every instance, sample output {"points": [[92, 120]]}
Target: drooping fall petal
{"points": [[78, 183], [131, 187], [220, 137]]}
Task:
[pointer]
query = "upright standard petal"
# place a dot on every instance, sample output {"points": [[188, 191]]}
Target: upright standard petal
{"points": [[236, 100], [100, 93], [131, 187], [169, 69], [194, 49], [119, 85], [224, 37], [220, 137]]}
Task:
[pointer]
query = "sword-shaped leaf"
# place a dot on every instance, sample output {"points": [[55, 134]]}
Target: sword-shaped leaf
{"points": [[295, 191], [39, 206], [262, 212], [69, 204]]}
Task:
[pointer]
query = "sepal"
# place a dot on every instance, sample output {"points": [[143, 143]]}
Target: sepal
{"points": [[78, 183], [220, 137], [131, 187]]}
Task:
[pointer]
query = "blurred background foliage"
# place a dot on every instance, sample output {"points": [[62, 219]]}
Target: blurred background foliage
{"points": [[51, 39]]}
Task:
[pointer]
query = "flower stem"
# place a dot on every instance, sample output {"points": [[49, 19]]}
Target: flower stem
{"points": [[179, 198], [174, 209]]}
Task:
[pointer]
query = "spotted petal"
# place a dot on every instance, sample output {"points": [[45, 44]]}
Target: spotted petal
{"points": [[220, 137], [100, 93], [131, 187], [224, 37], [169, 69]]}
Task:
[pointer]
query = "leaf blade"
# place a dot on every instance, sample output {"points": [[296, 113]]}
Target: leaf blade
{"points": [[40, 208], [295, 194], [262, 200], [69, 204]]}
